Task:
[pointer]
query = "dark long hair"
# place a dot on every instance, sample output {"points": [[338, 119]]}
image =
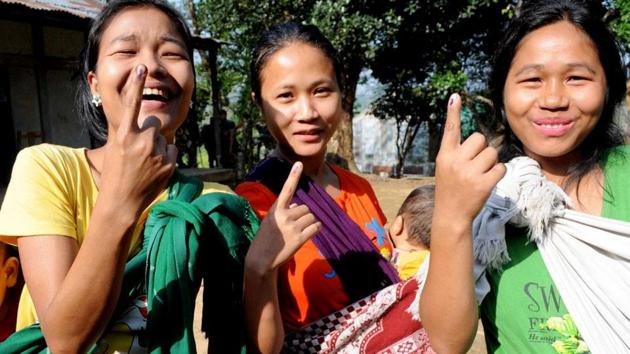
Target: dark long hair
{"points": [[587, 16], [280, 36], [93, 117]]}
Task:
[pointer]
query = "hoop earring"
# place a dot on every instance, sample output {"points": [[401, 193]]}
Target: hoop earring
{"points": [[96, 100]]}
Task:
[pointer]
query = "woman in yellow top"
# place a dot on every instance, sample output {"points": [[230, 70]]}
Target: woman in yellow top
{"points": [[76, 214]]}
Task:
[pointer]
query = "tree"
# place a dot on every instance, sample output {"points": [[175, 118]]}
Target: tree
{"points": [[239, 24], [408, 102], [619, 17], [354, 32], [434, 51]]}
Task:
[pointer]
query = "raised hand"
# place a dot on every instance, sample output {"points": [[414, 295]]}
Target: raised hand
{"points": [[465, 173], [138, 161], [284, 230]]}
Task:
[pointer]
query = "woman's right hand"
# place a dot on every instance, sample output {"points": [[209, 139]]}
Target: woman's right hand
{"points": [[283, 231], [137, 160], [465, 173]]}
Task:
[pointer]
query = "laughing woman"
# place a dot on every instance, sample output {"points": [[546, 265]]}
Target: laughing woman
{"points": [[77, 215]]}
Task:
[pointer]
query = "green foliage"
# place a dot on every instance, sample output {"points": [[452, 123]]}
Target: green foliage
{"points": [[356, 28], [434, 52], [421, 50], [238, 24], [621, 24]]}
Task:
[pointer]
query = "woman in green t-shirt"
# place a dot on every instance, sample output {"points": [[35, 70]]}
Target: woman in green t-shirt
{"points": [[556, 83]]}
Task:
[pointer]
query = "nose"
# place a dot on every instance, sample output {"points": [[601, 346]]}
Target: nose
{"points": [[306, 109], [554, 96], [154, 65]]}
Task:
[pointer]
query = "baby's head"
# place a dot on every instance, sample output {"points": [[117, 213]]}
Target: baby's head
{"points": [[411, 229], [9, 269]]}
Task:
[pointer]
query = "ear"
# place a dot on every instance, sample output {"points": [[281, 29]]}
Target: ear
{"points": [[397, 226], [93, 82], [10, 271]]}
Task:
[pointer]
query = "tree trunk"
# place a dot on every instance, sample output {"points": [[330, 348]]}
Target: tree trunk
{"points": [[340, 145], [435, 138], [188, 133]]}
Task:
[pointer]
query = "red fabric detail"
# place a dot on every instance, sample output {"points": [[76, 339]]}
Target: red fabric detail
{"points": [[379, 323]]}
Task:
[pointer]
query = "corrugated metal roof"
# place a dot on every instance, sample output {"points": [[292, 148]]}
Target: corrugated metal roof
{"points": [[80, 8]]}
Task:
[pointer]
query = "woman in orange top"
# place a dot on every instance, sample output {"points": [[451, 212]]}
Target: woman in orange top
{"points": [[296, 82], [298, 91]]}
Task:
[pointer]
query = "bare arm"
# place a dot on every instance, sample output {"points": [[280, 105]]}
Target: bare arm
{"points": [[285, 229], [75, 290], [262, 310], [465, 175]]}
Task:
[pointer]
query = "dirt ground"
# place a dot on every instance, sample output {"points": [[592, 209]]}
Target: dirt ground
{"points": [[390, 193]]}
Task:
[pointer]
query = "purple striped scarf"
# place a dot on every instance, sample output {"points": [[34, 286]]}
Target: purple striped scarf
{"points": [[360, 267]]}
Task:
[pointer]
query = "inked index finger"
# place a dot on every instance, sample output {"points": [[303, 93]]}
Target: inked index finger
{"points": [[133, 98], [452, 127], [290, 185]]}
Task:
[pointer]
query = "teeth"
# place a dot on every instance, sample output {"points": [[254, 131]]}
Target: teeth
{"points": [[552, 126], [153, 91]]}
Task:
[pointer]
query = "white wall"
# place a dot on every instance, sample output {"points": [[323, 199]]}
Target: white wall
{"points": [[373, 142]]}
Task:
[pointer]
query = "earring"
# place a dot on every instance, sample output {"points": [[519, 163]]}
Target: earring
{"points": [[190, 105], [96, 100]]}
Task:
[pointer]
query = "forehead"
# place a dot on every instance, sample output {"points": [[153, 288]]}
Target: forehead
{"points": [[557, 43], [297, 62], [141, 21]]}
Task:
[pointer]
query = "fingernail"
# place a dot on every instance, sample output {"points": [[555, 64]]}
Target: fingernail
{"points": [[140, 69], [452, 99], [296, 167]]}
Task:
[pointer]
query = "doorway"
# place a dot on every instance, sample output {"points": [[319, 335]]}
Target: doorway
{"points": [[8, 148]]}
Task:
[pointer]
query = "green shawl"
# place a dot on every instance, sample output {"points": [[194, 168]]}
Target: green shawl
{"points": [[187, 238]]}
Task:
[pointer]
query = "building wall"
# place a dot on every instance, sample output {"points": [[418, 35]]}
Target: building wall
{"points": [[24, 99], [374, 147], [373, 143], [40, 60], [38, 57]]}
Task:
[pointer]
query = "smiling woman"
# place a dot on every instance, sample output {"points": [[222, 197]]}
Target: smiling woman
{"points": [[317, 273], [296, 82], [556, 82], [77, 215], [554, 92]]}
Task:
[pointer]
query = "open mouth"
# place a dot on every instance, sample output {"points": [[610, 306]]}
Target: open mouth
{"points": [[155, 94]]}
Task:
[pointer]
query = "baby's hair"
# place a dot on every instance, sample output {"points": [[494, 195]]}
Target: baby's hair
{"points": [[417, 211]]}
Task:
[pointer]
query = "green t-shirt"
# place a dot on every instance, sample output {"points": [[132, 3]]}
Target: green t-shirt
{"points": [[523, 296]]}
